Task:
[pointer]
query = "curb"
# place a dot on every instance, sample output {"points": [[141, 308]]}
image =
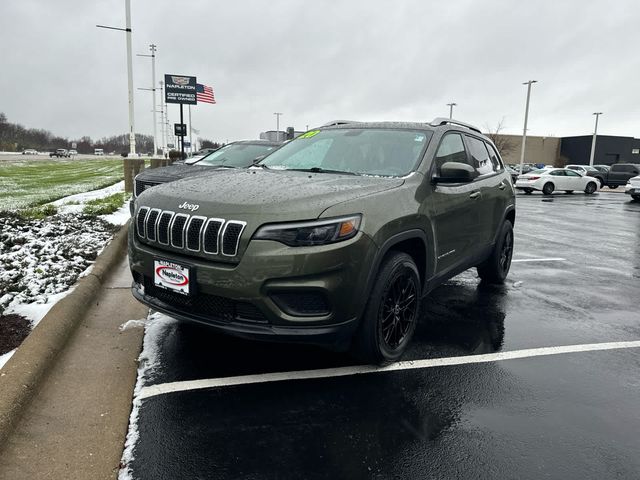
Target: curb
{"points": [[21, 375]]}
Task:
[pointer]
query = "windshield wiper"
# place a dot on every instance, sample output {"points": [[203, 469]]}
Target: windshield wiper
{"points": [[322, 170]]}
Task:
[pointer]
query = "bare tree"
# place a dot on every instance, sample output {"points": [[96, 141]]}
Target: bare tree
{"points": [[502, 142]]}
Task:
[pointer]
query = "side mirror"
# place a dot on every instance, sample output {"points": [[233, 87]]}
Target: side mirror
{"points": [[455, 172]]}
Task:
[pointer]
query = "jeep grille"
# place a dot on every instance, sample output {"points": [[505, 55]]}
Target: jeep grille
{"points": [[193, 233], [142, 185]]}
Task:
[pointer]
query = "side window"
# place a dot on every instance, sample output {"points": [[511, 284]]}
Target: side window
{"points": [[451, 149], [558, 173], [480, 156], [498, 166], [571, 173]]}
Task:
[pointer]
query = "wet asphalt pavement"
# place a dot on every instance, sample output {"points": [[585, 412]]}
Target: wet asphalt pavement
{"points": [[569, 416]]}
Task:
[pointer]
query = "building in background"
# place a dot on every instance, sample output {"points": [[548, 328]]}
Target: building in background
{"points": [[609, 150], [281, 136]]}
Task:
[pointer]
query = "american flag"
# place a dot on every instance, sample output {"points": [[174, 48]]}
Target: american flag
{"points": [[204, 93]]}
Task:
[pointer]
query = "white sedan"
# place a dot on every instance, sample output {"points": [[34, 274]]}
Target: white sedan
{"points": [[548, 180], [633, 188]]}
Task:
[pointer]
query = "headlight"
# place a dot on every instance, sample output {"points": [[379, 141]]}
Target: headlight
{"points": [[316, 232]]}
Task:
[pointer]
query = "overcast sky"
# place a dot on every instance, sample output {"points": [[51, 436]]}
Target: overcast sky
{"points": [[321, 60]]}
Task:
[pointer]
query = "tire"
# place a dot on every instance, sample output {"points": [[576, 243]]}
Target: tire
{"points": [[548, 188], [496, 268], [613, 186], [392, 311], [528, 191], [590, 188], [568, 191], [636, 198]]}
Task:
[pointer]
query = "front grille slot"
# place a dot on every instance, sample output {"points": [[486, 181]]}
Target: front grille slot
{"points": [[231, 237], [141, 186], [193, 233], [140, 221], [177, 230], [163, 227], [210, 235], [151, 224]]}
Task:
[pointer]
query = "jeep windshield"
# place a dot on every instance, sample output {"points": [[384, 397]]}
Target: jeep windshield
{"points": [[361, 151], [238, 155]]}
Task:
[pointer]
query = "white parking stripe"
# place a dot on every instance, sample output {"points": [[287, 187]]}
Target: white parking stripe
{"points": [[163, 388], [522, 260]]}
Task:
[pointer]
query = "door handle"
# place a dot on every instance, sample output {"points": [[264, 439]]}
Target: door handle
{"points": [[474, 195]]}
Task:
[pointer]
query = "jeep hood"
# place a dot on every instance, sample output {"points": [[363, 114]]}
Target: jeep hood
{"points": [[264, 195], [173, 172]]}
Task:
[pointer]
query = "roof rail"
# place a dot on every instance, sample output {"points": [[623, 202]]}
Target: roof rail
{"points": [[436, 122], [333, 123]]}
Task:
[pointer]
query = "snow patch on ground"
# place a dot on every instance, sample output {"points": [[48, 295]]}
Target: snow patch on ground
{"points": [[5, 357], [75, 203], [36, 311], [131, 324], [149, 359], [119, 217]]}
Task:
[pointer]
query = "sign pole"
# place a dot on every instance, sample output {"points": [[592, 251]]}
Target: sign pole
{"points": [[190, 140], [182, 132]]}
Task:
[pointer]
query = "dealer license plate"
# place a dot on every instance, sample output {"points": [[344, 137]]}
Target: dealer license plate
{"points": [[172, 276]]}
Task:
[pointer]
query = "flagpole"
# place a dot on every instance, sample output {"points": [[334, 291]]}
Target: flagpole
{"points": [[190, 140]]}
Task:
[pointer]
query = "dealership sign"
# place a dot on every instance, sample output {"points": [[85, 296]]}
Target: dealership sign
{"points": [[180, 89]]}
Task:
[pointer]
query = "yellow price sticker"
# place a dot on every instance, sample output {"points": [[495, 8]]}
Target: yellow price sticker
{"points": [[309, 134]]}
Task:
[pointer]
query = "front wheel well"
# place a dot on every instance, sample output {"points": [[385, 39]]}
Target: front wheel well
{"points": [[416, 249]]}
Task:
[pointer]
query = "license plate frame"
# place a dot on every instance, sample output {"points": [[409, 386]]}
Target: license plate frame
{"points": [[173, 276]]}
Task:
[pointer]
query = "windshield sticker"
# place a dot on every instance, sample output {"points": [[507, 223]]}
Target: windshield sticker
{"points": [[419, 138], [309, 134]]}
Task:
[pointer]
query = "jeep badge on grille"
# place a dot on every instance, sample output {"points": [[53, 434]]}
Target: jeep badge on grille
{"points": [[189, 206]]}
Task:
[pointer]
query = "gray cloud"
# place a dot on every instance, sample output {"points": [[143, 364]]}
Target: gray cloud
{"points": [[317, 61]]}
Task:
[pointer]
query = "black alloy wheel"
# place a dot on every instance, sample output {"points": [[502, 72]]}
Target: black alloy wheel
{"points": [[496, 268], [590, 188], [392, 311], [548, 188], [398, 311]]}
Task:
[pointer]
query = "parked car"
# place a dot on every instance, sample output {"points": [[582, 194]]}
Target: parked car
{"points": [[233, 155], [333, 240], [60, 153], [602, 168], [633, 188], [73, 152], [514, 174], [29, 151], [547, 180], [586, 170], [619, 174], [100, 151]]}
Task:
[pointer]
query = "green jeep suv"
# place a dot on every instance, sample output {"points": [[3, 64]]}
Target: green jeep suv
{"points": [[333, 239]]}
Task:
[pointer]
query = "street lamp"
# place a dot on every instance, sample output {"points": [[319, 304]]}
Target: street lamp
{"points": [[152, 47], [526, 117], [593, 142], [451, 105], [127, 29], [277, 114]]}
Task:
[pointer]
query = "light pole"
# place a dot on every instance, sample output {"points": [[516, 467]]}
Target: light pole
{"points": [[526, 117], [277, 114], [127, 30], [152, 47], [451, 105], [593, 142]]}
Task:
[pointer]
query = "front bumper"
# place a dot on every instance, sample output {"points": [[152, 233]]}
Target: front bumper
{"points": [[224, 293], [632, 190]]}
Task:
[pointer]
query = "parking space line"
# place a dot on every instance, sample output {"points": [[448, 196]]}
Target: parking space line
{"points": [[173, 387], [522, 260]]}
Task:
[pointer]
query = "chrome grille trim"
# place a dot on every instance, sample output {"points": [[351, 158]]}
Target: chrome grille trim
{"points": [[220, 221], [189, 233], [142, 232], [237, 242], [170, 222], [152, 228], [182, 230], [188, 228]]}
